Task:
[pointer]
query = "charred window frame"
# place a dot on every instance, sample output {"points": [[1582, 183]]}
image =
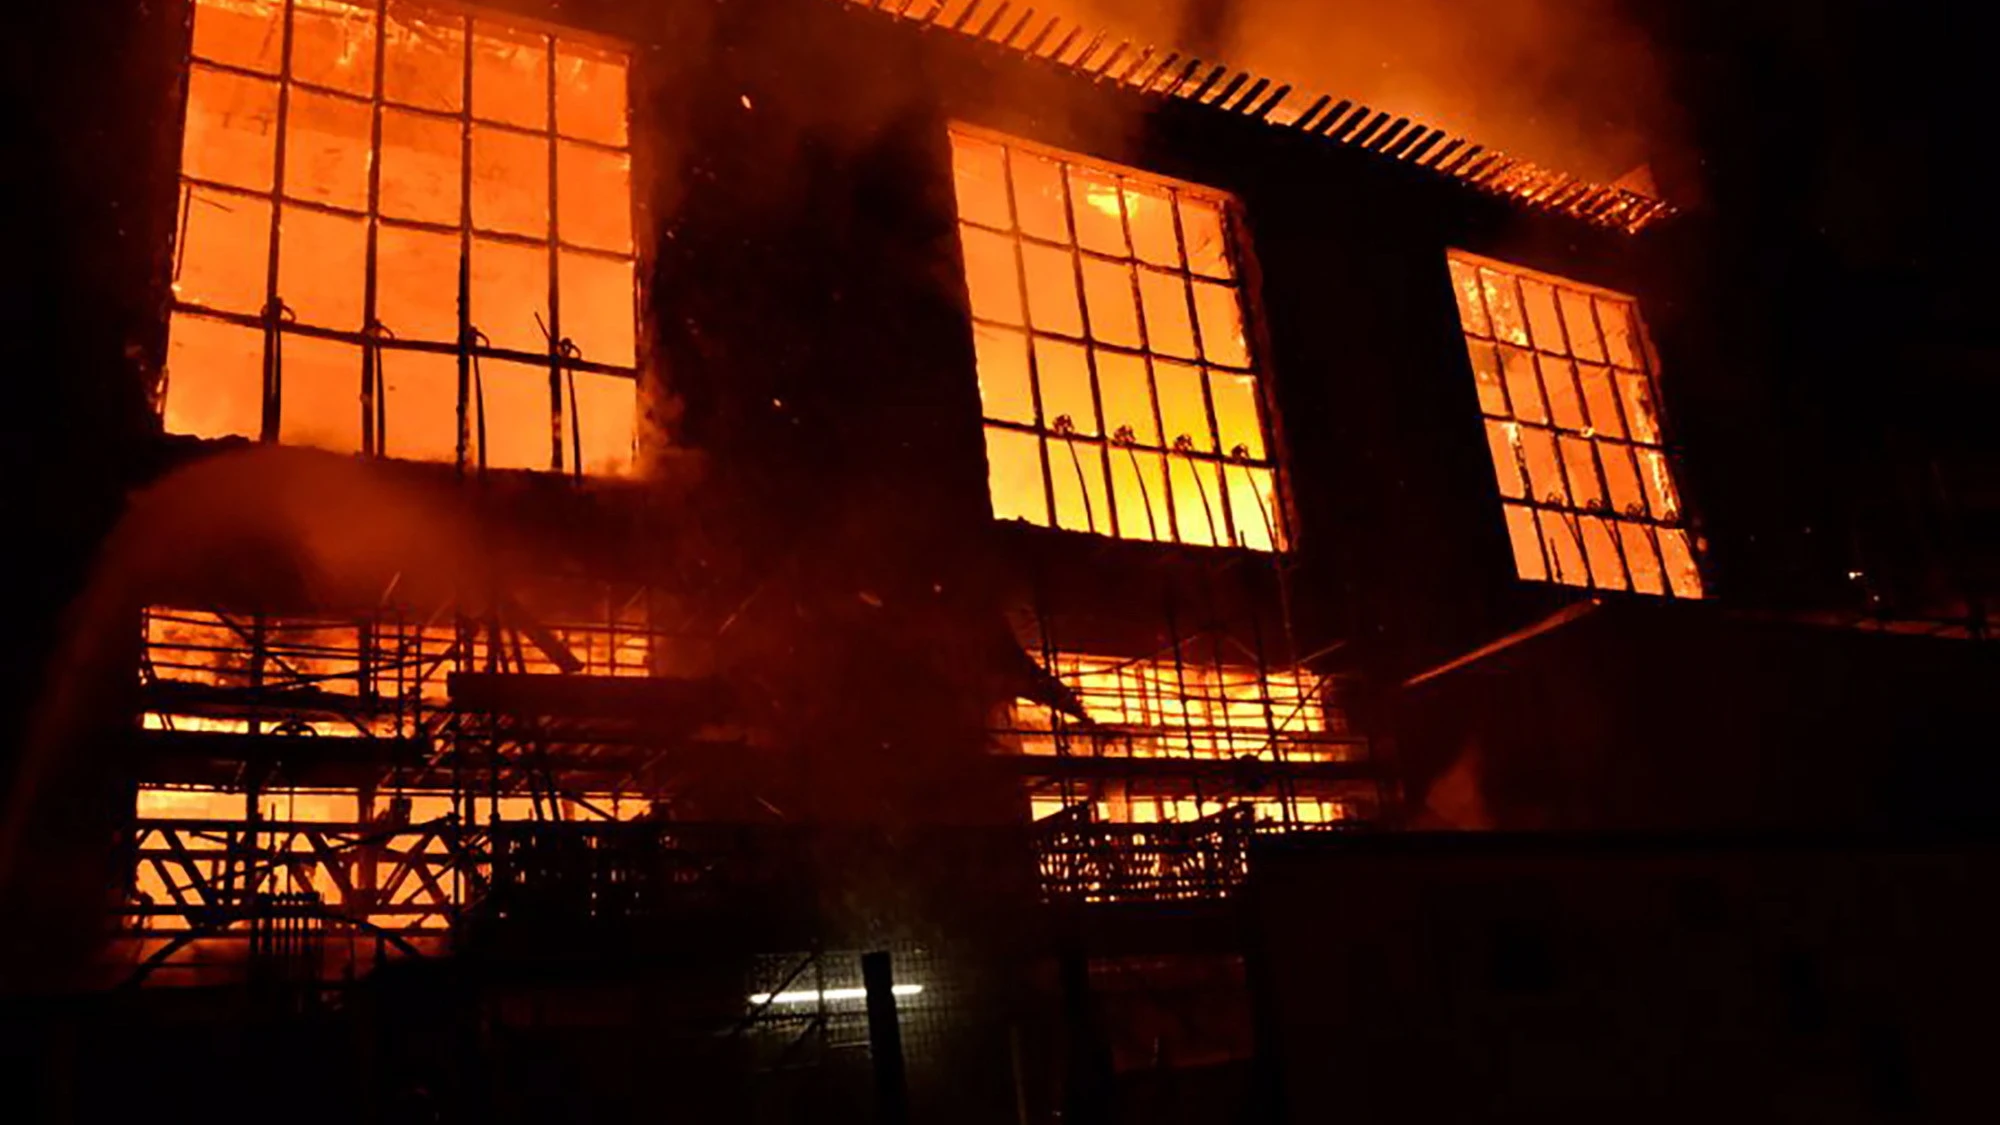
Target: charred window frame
{"points": [[1122, 393], [1568, 386], [405, 230]]}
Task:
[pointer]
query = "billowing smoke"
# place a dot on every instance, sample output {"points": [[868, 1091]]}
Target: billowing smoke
{"points": [[1567, 83]]}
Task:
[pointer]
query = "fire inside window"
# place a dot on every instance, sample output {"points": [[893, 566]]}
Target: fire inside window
{"points": [[1566, 382], [1193, 710], [377, 675], [406, 232], [1120, 392], [383, 856]]}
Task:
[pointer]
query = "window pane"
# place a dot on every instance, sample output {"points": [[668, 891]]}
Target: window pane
{"points": [[979, 174], [215, 378], [1168, 330], [597, 308], [416, 283], [322, 261], [1527, 543], [594, 195], [1052, 303], [991, 279], [1221, 320], [1659, 484], [1606, 571], [420, 167], [1127, 394], [224, 258], [1642, 559], [510, 182], [1253, 505], [1471, 307], [591, 97], [1139, 486], [424, 62], [1565, 553], [1237, 416], [333, 44], [245, 33], [232, 129], [513, 402], [1565, 406], [1500, 437], [1599, 398], [1065, 377], [326, 149], [1107, 288], [1198, 503], [1538, 448], [1082, 499], [1014, 476], [1622, 478], [1523, 390], [1539, 301], [510, 75], [1638, 402], [1149, 212], [605, 411], [1100, 224], [1583, 336], [510, 287], [1581, 469], [1039, 198], [1486, 376], [1621, 341], [1182, 407], [1004, 391], [1202, 230], [420, 405], [1681, 572], [1503, 306], [319, 394]]}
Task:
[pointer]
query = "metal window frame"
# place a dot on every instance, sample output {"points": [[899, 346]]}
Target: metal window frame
{"points": [[561, 357], [1564, 508], [1103, 446]]}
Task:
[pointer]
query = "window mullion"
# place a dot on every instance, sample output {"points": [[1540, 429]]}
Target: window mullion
{"points": [[374, 415], [273, 345], [1028, 337], [552, 235]]}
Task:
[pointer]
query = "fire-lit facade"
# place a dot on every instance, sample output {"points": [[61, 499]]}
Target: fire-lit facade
{"points": [[671, 492]]}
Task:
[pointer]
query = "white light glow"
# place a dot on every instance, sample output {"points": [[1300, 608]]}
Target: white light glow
{"points": [[813, 996]]}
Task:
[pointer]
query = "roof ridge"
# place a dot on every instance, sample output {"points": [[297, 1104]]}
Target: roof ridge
{"points": [[1172, 75]]}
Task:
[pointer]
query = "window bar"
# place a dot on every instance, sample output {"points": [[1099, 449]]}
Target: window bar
{"points": [[1570, 512], [556, 340], [1146, 348], [1028, 335], [373, 439], [273, 305], [1075, 249], [1512, 424], [465, 362], [1655, 521], [1201, 359], [1595, 448]]}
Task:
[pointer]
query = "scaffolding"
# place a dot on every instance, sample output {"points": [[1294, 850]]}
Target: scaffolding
{"points": [[361, 771]]}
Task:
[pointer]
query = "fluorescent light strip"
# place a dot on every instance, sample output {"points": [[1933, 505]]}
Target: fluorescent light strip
{"points": [[813, 996]]}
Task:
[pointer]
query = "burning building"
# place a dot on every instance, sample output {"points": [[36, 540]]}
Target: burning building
{"points": [[632, 506]]}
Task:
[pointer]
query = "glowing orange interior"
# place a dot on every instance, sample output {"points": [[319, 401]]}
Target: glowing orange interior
{"points": [[1565, 379], [1121, 394], [349, 204]]}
